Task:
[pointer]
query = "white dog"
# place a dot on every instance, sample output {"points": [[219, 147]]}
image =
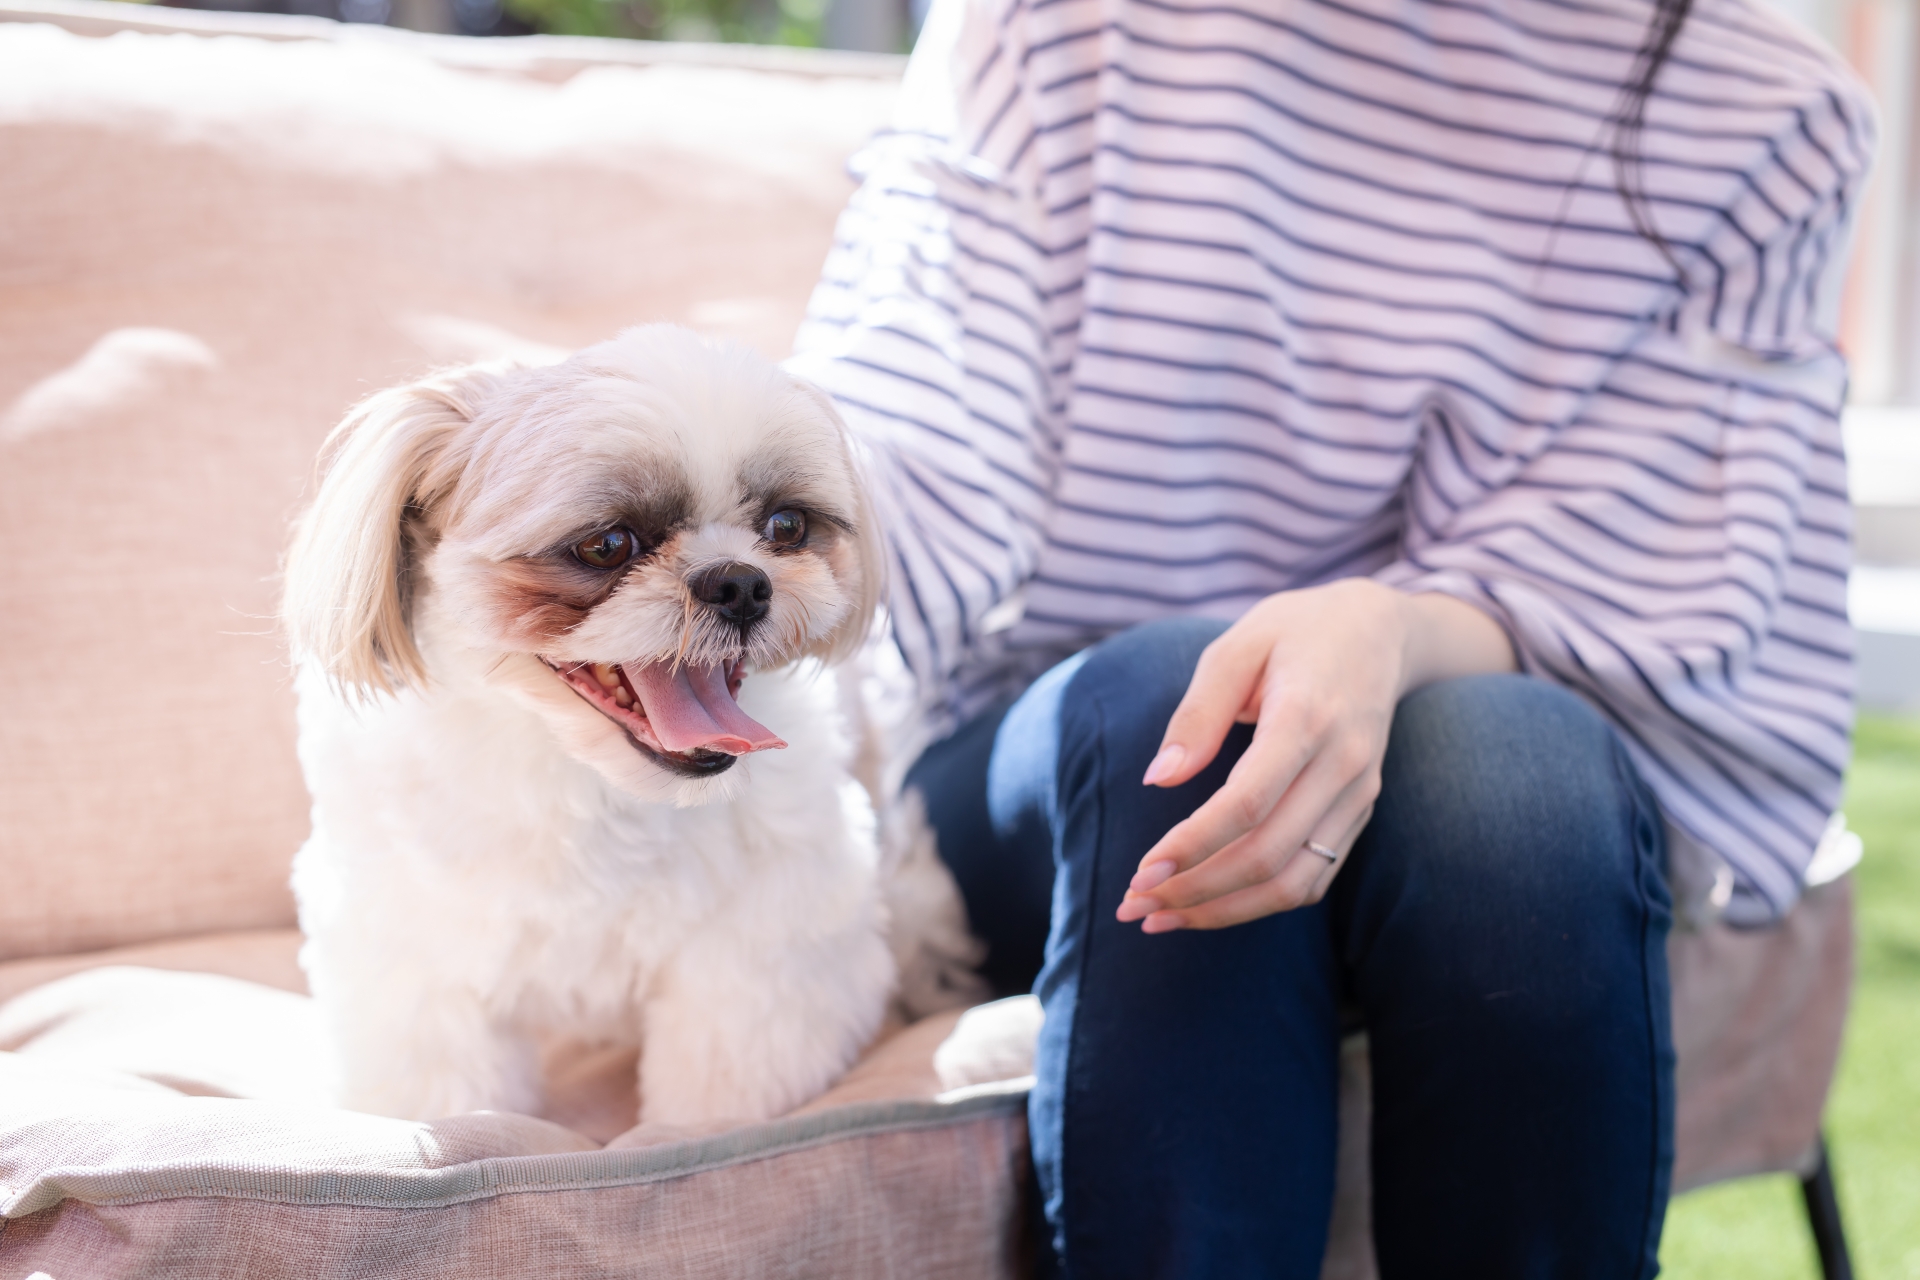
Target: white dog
{"points": [[572, 773]]}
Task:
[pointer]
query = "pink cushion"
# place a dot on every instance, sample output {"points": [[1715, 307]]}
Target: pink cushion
{"points": [[159, 1122]]}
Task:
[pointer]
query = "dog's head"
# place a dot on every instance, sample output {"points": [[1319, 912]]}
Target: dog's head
{"points": [[621, 538]]}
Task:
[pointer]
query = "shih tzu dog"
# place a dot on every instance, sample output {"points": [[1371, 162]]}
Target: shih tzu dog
{"points": [[580, 762]]}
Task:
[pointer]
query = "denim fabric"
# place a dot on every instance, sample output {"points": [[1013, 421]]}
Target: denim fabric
{"points": [[1499, 928]]}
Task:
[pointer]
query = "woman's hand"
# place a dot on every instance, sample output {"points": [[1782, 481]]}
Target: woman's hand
{"points": [[1318, 673]]}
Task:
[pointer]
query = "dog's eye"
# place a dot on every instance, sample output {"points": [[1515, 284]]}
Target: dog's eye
{"points": [[786, 528], [608, 549]]}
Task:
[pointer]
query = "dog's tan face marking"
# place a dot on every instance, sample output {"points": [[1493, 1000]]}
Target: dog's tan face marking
{"points": [[540, 597], [537, 600]]}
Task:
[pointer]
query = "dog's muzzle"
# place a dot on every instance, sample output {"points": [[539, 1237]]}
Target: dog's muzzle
{"points": [[683, 714]]}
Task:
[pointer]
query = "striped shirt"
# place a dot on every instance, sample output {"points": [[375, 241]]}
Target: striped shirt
{"points": [[1155, 307]]}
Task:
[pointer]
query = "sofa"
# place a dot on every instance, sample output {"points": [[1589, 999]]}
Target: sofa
{"points": [[217, 232]]}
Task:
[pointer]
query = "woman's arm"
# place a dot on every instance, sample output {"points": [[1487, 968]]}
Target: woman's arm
{"points": [[1676, 553], [934, 328], [1318, 673]]}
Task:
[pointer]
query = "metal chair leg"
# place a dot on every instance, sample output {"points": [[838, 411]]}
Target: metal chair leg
{"points": [[1823, 1215]]}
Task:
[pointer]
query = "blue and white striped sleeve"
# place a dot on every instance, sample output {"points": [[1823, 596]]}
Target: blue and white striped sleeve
{"points": [[1678, 552], [937, 328]]}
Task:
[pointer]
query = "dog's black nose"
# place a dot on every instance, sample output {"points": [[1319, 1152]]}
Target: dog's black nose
{"points": [[737, 592]]}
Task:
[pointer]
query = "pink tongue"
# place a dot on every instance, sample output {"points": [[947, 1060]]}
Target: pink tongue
{"points": [[689, 708]]}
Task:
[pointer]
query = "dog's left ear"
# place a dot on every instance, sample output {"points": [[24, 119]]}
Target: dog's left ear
{"points": [[869, 540]]}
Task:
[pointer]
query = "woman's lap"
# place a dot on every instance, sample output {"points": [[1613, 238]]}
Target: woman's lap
{"points": [[1499, 927]]}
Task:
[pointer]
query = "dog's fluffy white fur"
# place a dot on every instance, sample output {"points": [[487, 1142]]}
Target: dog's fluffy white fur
{"points": [[511, 845]]}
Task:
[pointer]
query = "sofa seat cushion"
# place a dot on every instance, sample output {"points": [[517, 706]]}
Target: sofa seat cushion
{"points": [[266, 956], [152, 1117]]}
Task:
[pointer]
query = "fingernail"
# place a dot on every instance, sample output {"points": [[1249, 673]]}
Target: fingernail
{"points": [[1161, 922], [1164, 764], [1151, 876], [1132, 908]]}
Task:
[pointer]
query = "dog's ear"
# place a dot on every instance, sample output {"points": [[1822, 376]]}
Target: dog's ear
{"points": [[869, 541], [348, 596]]}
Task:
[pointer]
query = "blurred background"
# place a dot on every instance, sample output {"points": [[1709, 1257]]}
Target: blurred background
{"points": [[873, 26]]}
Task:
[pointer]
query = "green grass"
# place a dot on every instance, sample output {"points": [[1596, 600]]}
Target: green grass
{"points": [[1755, 1229]]}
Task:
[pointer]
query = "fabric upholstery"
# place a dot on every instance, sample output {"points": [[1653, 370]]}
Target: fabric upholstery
{"points": [[911, 1201], [164, 1122], [1757, 1021], [266, 956]]}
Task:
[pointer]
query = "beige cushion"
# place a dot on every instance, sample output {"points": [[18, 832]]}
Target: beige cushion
{"points": [[921, 1191], [209, 248], [162, 1122], [1757, 1021], [196, 1033], [266, 956]]}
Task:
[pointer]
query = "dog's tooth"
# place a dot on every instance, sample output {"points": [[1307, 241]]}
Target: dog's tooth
{"points": [[621, 696], [606, 674]]}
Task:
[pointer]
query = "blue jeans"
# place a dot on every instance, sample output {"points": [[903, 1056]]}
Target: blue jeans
{"points": [[1499, 930]]}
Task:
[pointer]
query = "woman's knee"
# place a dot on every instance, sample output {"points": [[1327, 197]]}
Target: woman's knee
{"points": [[1510, 877], [1515, 795]]}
